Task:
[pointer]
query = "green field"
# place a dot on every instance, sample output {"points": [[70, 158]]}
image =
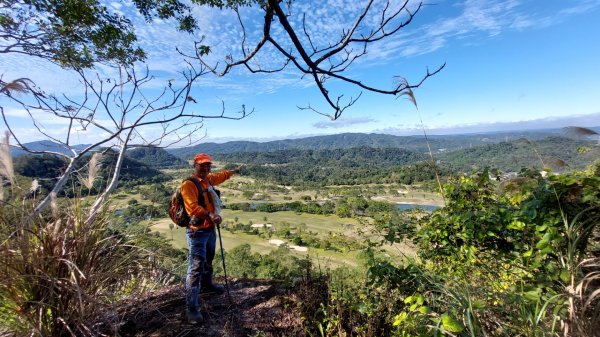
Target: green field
{"points": [[316, 223], [320, 224]]}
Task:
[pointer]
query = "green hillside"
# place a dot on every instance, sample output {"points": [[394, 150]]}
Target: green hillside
{"points": [[47, 167], [156, 157], [352, 140], [558, 153], [351, 166], [364, 165]]}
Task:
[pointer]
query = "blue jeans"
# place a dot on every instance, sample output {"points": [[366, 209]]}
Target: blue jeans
{"points": [[202, 245]]}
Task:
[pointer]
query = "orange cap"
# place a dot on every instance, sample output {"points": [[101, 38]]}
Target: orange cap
{"points": [[202, 158]]}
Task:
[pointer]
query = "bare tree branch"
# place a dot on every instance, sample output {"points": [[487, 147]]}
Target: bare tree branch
{"points": [[119, 109], [321, 63]]}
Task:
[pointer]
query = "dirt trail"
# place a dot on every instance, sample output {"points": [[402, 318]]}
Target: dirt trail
{"points": [[261, 308]]}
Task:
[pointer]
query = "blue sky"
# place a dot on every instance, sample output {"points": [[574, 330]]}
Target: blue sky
{"points": [[510, 64]]}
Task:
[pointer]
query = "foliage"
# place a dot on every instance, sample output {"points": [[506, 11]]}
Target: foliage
{"points": [[555, 152], [516, 258], [41, 166], [345, 165], [361, 165], [439, 144], [515, 247], [77, 34], [71, 33], [350, 159], [278, 264]]}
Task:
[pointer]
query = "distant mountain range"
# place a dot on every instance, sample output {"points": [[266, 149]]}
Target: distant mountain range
{"points": [[457, 150], [46, 145], [444, 143], [151, 156]]}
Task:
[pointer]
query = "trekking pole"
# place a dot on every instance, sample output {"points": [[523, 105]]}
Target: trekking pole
{"points": [[224, 269]]}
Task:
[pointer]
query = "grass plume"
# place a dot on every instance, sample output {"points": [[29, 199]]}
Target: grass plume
{"points": [[35, 186], [19, 85], [411, 97], [407, 91], [93, 170], [6, 164]]}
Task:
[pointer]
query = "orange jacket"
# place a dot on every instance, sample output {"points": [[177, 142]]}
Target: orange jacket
{"points": [[189, 192]]}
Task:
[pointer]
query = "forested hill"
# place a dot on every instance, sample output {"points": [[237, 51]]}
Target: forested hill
{"points": [[156, 157], [353, 157], [438, 143], [352, 140], [45, 145], [558, 153], [358, 165], [48, 167], [396, 165]]}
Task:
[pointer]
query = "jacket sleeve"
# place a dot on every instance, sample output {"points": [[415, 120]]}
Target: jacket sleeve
{"points": [[220, 177], [189, 192]]}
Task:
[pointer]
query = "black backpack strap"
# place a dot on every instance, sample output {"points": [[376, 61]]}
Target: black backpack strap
{"points": [[201, 201]]}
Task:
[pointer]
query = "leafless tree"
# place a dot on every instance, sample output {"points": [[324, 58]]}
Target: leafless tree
{"points": [[118, 109], [321, 62]]}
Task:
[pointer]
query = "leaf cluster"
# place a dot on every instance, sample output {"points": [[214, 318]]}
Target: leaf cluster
{"points": [[74, 34]]}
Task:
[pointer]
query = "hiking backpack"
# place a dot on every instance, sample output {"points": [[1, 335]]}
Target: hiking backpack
{"points": [[177, 210]]}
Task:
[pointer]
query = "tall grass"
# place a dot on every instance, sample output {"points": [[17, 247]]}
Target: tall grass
{"points": [[583, 289], [58, 276], [62, 274]]}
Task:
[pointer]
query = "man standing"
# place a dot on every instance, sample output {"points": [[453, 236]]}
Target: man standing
{"points": [[203, 206]]}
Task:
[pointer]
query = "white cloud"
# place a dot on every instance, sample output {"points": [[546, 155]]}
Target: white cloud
{"points": [[343, 122], [581, 6], [477, 20], [325, 22], [588, 120]]}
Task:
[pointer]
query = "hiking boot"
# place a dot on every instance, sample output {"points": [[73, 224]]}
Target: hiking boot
{"points": [[212, 289], [194, 316], [207, 286]]}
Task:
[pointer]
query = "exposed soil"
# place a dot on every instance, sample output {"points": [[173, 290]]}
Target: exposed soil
{"points": [[260, 308]]}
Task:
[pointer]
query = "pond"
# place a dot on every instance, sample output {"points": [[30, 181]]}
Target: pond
{"points": [[428, 208]]}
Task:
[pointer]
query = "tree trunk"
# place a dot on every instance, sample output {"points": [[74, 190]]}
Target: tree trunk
{"points": [[62, 180], [101, 200]]}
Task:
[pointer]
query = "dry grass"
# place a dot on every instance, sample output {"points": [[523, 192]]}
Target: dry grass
{"points": [[587, 293]]}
